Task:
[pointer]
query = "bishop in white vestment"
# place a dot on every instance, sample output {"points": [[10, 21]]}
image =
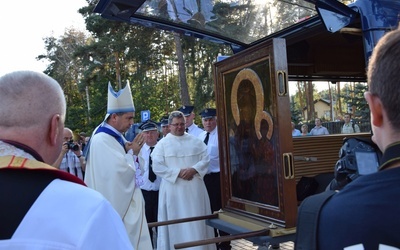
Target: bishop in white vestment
{"points": [[111, 170]]}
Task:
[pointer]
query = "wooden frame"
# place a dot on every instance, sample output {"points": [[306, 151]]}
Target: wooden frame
{"points": [[255, 156]]}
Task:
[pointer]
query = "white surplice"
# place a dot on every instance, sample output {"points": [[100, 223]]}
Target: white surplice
{"points": [[68, 216], [180, 198], [111, 171]]}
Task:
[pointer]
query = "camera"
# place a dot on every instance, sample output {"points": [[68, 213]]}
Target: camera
{"points": [[72, 145], [357, 157]]}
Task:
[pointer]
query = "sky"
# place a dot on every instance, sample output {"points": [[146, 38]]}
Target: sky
{"points": [[24, 24]]}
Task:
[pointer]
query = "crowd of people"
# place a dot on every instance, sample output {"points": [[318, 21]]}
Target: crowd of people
{"points": [[130, 183], [104, 199], [155, 176], [349, 127]]}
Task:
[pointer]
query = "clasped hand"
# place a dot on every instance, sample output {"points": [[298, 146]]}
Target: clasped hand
{"points": [[187, 173]]}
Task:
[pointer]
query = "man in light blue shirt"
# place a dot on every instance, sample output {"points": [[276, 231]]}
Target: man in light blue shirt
{"points": [[319, 129], [295, 132]]}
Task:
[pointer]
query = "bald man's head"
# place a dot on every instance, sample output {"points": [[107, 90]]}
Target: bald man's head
{"points": [[32, 111], [29, 99]]}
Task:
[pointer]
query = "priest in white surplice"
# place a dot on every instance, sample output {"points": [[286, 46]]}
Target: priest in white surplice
{"points": [[42, 207], [110, 168], [182, 161]]}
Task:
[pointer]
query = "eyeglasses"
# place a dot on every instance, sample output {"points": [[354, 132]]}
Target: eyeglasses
{"points": [[178, 124]]}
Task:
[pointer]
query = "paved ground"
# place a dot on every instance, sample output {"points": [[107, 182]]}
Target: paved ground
{"points": [[247, 245]]}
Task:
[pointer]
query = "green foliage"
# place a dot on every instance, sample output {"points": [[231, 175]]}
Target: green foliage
{"points": [[290, 12], [296, 113], [324, 94], [109, 51], [66, 70], [355, 98]]}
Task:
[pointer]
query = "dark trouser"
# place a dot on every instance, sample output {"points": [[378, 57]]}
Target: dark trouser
{"points": [[151, 207], [213, 185]]}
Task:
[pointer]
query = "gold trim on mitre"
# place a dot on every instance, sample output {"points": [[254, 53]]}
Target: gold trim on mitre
{"points": [[121, 101]]}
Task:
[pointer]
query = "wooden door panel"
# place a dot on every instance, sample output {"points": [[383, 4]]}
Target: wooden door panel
{"points": [[254, 133]]}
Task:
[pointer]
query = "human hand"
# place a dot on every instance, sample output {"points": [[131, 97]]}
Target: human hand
{"points": [[136, 144], [64, 148], [187, 173]]}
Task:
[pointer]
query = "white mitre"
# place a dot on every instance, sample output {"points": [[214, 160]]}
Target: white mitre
{"points": [[119, 102]]}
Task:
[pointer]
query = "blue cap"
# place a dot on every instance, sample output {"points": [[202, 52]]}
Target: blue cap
{"points": [[164, 121], [148, 125], [208, 113], [186, 110]]}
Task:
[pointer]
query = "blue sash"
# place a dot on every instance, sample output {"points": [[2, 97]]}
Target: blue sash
{"points": [[107, 131], [113, 134]]}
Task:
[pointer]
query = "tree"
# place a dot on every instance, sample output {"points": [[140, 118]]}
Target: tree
{"points": [[185, 97], [66, 70], [339, 101], [296, 113], [291, 12], [304, 99], [163, 70], [109, 51], [354, 98]]}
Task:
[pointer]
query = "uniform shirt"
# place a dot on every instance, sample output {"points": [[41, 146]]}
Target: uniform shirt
{"points": [[212, 150], [142, 174], [348, 128], [194, 130], [71, 164]]}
